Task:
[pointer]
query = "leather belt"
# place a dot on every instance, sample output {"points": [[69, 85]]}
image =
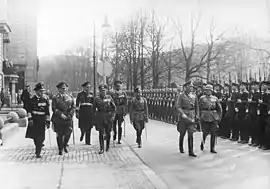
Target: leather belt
{"points": [[188, 108], [38, 113], [86, 104]]}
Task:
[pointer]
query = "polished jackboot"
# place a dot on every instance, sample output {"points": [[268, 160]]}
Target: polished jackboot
{"points": [[82, 135], [66, 139], [212, 144], [60, 144], [101, 144], [119, 134], [108, 141], [140, 138], [203, 142], [38, 148], [181, 143], [88, 137], [190, 146]]}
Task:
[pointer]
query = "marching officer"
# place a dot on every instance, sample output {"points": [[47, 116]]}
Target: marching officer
{"points": [[138, 114], [39, 118], [105, 113], [120, 99], [187, 106], [63, 108], [211, 113], [85, 112]]}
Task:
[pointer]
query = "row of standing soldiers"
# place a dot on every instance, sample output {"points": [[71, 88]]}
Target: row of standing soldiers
{"points": [[245, 107]]}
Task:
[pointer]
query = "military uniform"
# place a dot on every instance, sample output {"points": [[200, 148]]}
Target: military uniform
{"points": [[85, 113], [210, 115], [63, 111], [39, 118], [120, 100], [105, 113], [253, 113], [224, 129], [138, 115], [187, 106]]}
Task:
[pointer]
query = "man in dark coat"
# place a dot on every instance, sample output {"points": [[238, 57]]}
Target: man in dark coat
{"points": [[63, 108], [105, 113], [120, 100], [85, 112], [25, 97], [39, 118]]}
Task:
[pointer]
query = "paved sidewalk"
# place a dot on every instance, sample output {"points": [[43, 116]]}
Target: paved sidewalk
{"points": [[81, 168], [235, 166]]}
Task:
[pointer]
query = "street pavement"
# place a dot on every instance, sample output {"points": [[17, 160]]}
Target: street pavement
{"points": [[235, 166], [81, 168]]}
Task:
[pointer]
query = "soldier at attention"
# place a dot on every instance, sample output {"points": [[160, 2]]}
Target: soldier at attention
{"points": [[211, 113], [187, 106], [138, 114], [85, 112], [105, 113], [120, 100], [39, 118], [63, 108]]}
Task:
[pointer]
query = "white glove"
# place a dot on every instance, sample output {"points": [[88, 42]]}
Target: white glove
{"points": [[184, 116], [258, 112], [260, 101], [246, 110], [249, 100], [239, 100], [236, 109]]}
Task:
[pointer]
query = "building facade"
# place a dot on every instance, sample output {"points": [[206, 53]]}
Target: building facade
{"points": [[22, 50], [4, 39]]}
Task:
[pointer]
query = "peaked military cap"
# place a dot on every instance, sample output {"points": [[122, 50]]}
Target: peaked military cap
{"points": [[244, 83], [235, 84], [117, 82], [265, 83], [188, 83], [39, 86], [85, 84], [61, 84], [218, 85], [255, 83], [226, 85], [102, 87], [209, 87], [137, 89]]}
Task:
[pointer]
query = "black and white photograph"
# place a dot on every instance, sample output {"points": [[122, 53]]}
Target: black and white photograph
{"points": [[135, 94]]}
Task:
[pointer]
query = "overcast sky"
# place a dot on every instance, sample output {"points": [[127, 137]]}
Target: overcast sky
{"points": [[63, 23]]}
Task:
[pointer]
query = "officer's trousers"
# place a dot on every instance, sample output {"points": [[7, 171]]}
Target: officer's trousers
{"points": [[87, 135], [62, 141], [38, 144], [107, 130], [118, 120]]}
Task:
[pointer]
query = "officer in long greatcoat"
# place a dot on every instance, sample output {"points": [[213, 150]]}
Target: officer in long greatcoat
{"points": [[210, 115], [138, 114], [120, 99], [105, 113], [63, 108], [39, 118], [187, 107], [85, 112]]}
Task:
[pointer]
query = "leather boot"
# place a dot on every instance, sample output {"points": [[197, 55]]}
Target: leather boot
{"points": [[119, 134], [38, 151], [82, 135], [66, 139], [108, 142], [101, 144], [181, 144], [88, 137], [212, 144], [203, 142], [190, 146], [59, 140]]}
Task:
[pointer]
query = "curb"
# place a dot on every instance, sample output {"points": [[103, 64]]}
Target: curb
{"points": [[8, 131], [155, 180]]}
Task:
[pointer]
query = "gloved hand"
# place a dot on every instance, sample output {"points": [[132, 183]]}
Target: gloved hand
{"points": [[47, 123]]}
